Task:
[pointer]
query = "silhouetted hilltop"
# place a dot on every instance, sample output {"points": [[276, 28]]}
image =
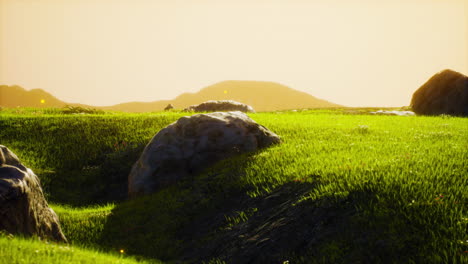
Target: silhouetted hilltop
{"points": [[262, 96], [17, 96], [14, 95], [139, 106]]}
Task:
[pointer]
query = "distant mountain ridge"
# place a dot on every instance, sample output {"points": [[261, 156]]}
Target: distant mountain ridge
{"points": [[262, 96], [13, 96], [17, 96]]}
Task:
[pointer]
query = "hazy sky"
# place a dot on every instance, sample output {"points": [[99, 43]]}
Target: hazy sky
{"points": [[350, 52]]}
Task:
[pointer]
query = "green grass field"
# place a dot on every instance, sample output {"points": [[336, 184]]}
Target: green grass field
{"points": [[27, 251], [354, 187]]}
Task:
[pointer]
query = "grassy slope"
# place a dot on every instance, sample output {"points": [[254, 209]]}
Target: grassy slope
{"points": [[399, 182], [412, 168], [81, 159], [83, 226]]}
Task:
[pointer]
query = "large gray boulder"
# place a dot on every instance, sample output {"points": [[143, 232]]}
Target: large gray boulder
{"points": [[445, 93], [193, 143], [220, 105], [23, 208]]}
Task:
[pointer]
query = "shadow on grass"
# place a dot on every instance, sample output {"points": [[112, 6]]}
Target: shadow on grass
{"points": [[211, 217], [104, 181]]}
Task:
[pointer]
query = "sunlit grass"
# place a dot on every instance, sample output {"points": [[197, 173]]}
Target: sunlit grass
{"points": [[83, 226], [28, 251]]}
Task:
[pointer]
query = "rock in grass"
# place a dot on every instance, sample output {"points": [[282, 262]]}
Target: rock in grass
{"points": [[193, 143], [168, 107], [445, 93], [220, 105], [23, 208], [393, 112]]}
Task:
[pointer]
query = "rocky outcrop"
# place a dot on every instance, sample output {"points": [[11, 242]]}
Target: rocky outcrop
{"points": [[193, 143], [220, 105], [23, 208], [445, 93]]}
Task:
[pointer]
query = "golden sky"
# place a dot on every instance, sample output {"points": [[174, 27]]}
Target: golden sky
{"points": [[350, 52]]}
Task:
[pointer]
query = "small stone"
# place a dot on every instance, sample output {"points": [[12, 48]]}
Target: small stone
{"points": [[169, 107]]}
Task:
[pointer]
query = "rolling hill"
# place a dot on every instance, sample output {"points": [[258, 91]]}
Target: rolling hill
{"points": [[262, 96], [14, 96], [17, 96]]}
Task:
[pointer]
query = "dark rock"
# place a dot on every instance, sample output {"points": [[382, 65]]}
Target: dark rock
{"points": [[193, 143], [23, 208], [445, 93], [169, 107], [221, 105]]}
